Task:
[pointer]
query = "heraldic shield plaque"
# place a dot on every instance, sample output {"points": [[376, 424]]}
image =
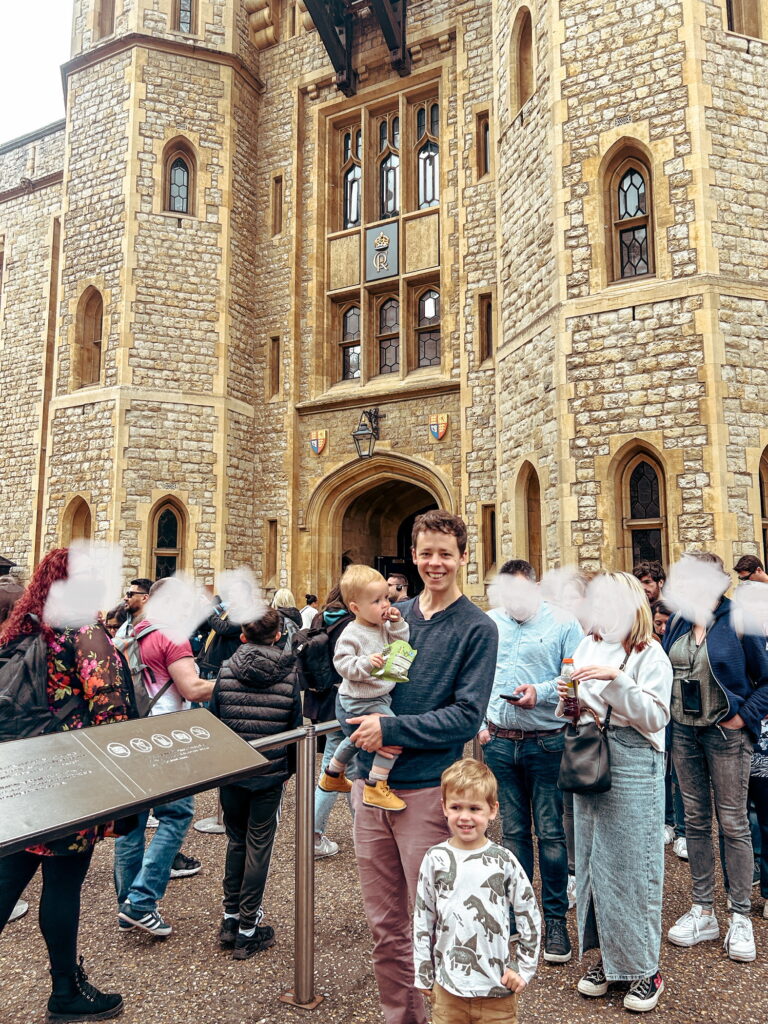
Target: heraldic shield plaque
{"points": [[51, 786], [382, 251]]}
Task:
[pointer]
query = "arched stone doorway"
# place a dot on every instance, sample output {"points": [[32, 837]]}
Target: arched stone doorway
{"points": [[376, 528], [364, 511]]}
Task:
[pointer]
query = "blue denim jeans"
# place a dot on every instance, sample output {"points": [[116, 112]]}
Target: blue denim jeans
{"points": [[141, 876], [715, 761], [324, 801], [527, 772]]}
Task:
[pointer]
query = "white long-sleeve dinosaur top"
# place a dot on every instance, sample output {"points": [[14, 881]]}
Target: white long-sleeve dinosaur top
{"points": [[461, 920]]}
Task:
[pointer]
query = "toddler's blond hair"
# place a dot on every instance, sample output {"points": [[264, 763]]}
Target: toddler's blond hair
{"points": [[355, 579]]}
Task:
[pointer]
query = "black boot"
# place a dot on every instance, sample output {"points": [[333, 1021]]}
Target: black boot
{"points": [[74, 999]]}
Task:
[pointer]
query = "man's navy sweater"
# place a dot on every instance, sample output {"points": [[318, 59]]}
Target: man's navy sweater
{"points": [[443, 704]]}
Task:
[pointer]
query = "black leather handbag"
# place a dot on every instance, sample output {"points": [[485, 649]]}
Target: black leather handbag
{"points": [[586, 763]]}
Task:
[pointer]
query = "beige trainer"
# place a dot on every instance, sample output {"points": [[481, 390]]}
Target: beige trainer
{"points": [[381, 796], [334, 783]]}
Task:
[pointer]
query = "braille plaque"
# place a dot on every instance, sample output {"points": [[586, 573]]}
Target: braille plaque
{"points": [[51, 786]]}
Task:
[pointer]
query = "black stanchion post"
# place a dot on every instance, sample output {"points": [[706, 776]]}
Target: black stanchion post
{"points": [[303, 993]]}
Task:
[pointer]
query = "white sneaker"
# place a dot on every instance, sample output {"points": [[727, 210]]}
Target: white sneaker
{"points": [[325, 847], [680, 847], [571, 891], [152, 822], [765, 909], [669, 835], [19, 910], [693, 927], [739, 941]]}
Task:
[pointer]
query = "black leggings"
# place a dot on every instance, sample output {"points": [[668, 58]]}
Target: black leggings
{"points": [[63, 879]]}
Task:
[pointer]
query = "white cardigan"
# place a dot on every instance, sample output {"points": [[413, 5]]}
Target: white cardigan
{"points": [[639, 695]]}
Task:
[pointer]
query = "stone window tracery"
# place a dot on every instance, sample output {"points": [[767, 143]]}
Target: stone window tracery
{"points": [[388, 335]]}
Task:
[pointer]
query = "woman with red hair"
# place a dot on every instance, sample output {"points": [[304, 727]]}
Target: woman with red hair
{"points": [[83, 664]]}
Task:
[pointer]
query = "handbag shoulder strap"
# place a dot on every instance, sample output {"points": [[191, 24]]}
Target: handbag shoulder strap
{"points": [[610, 708]]}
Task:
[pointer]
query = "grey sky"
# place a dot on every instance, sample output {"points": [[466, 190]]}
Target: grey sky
{"points": [[34, 43]]}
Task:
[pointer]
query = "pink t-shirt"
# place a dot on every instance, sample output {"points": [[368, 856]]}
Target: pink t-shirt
{"points": [[158, 651]]}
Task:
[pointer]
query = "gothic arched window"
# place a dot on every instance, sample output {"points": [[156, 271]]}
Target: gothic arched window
{"points": [[350, 343], [388, 335], [351, 177], [179, 173], [389, 166], [167, 540], [521, 61], [428, 155], [89, 329], [632, 231], [428, 328], [105, 19], [643, 502]]}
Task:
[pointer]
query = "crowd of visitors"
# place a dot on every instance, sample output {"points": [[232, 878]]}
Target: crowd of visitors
{"points": [[604, 744]]}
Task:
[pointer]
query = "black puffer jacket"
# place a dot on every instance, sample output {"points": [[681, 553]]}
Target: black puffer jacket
{"points": [[256, 695]]}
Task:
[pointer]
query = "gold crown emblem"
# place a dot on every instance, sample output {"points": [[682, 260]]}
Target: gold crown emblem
{"points": [[382, 242]]}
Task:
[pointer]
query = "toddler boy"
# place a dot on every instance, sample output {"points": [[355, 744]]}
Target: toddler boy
{"points": [[360, 651], [466, 888]]}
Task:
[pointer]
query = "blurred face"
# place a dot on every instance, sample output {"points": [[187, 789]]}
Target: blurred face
{"points": [[660, 623], [651, 587], [438, 560], [373, 604], [398, 590], [111, 626], [468, 818]]}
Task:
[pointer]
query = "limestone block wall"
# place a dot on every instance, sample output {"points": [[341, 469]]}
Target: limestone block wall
{"points": [[28, 273]]}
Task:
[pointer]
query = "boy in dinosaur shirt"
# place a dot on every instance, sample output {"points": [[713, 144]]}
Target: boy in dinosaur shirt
{"points": [[467, 886]]}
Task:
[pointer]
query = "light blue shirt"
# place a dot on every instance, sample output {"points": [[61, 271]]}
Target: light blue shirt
{"points": [[530, 652]]}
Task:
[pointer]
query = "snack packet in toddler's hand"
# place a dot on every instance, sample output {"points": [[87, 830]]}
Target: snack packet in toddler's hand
{"points": [[397, 660]]}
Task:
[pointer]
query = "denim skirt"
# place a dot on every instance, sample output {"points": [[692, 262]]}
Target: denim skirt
{"points": [[619, 838]]}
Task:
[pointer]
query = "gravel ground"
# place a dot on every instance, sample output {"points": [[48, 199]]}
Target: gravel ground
{"points": [[187, 979]]}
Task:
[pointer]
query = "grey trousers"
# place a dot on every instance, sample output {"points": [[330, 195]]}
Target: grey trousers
{"points": [[715, 760]]}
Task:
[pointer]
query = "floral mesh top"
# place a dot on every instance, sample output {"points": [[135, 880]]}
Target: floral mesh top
{"points": [[83, 662]]}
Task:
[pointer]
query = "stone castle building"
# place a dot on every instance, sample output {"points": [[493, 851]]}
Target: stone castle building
{"points": [[527, 240]]}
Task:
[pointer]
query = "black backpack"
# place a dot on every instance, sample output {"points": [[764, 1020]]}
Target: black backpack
{"points": [[24, 709], [313, 648]]}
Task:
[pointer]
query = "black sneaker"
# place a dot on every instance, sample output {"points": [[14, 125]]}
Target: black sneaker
{"points": [[557, 945], [184, 867], [75, 999], [246, 946], [594, 983], [644, 993], [149, 920], [228, 932]]}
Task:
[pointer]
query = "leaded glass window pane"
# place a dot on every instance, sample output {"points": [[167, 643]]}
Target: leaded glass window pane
{"points": [[179, 186], [429, 308], [185, 15], [347, 148], [429, 348], [644, 493], [421, 122], [646, 545], [389, 185], [167, 529], [632, 195], [633, 251], [165, 565], [351, 327], [429, 172], [352, 197], [434, 120], [382, 136], [358, 143], [389, 336], [350, 369], [396, 132]]}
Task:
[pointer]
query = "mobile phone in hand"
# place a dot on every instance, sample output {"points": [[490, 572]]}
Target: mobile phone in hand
{"points": [[512, 696]]}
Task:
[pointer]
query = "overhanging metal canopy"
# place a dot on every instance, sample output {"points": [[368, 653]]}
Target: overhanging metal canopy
{"points": [[334, 21]]}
